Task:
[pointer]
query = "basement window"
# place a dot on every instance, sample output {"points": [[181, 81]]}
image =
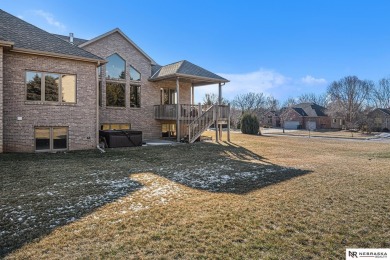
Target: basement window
{"points": [[115, 126], [51, 138]]}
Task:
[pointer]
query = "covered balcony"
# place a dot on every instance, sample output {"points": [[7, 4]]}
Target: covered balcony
{"points": [[189, 116]]}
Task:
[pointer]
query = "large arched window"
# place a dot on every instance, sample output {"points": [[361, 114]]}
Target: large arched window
{"points": [[116, 67]]}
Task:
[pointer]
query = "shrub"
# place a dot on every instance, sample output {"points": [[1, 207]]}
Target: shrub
{"points": [[385, 129], [249, 124]]}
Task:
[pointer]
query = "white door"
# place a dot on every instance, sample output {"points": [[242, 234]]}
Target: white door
{"points": [[311, 125], [291, 124]]}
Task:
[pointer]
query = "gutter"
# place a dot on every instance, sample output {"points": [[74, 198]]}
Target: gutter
{"points": [[189, 76], [57, 55], [6, 44]]}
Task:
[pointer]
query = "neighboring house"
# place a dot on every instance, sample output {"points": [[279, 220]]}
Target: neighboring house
{"points": [[338, 122], [379, 119], [305, 116], [270, 119], [57, 92]]}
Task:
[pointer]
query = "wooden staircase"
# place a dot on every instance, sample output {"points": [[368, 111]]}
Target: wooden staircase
{"points": [[196, 117], [200, 124]]}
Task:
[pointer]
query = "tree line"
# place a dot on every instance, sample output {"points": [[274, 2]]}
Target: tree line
{"points": [[349, 98]]}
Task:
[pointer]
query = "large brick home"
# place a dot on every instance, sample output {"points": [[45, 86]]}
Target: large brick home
{"points": [[305, 116], [57, 92]]}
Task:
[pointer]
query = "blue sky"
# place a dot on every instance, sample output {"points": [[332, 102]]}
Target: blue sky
{"points": [[280, 48]]}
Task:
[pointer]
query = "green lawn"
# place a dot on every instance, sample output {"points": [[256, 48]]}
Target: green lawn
{"points": [[256, 197]]}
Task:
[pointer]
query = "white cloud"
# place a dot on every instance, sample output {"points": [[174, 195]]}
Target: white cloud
{"points": [[50, 19], [258, 81], [20, 16], [310, 80]]}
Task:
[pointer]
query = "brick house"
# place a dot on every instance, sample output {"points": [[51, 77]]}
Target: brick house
{"points": [[379, 119], [57, 92], [305, 116], [270, 119]]}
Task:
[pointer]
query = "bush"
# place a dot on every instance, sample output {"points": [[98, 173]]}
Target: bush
{"points": [[385, 129], [249, 124]]}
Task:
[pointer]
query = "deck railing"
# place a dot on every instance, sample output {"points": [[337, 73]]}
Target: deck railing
{"points": [[197, 117], [187, 112]]}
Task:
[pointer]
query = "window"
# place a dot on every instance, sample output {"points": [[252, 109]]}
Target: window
{"points": [[100, 71], [100, 94], [115, 94], [34, 85], [115, 126], [68, 91], [334, 120], [134, 74], [51, 138], [168, 96], [168, 130], [135, 96], [115, 68], [55, 87], [52, 87]]}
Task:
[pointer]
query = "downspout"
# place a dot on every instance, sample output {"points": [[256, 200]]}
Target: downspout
{"points": [[97, 109], [178, 112]]}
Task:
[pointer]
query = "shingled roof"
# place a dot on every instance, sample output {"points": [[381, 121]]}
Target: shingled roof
{"points": [[185, 69], [76, 41], [384, 110], [28, 38], [311, 109]]}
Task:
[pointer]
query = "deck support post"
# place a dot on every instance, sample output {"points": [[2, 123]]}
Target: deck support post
{"points": [[178, 112], [192, 94], [228, 124]]}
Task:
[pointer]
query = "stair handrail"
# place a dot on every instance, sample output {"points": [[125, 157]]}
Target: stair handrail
{"points": [[201, 123]]}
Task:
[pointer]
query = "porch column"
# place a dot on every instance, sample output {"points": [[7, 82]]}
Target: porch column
{"points": [[228, 124], [219, 126], [192, 94], [178, 112], [219, 93]]}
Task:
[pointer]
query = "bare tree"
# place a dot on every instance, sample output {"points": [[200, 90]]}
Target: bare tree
{"points": [[352, 94], [212, 99], [289, 102], [382, 94], [271, 103], [250, 102], [321, 99]]}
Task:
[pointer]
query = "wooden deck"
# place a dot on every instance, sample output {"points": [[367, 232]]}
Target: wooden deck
{"points": [[187, 112]]}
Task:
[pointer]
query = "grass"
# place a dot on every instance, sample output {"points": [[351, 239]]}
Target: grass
{"points": [[322, 133], [257, 197]]}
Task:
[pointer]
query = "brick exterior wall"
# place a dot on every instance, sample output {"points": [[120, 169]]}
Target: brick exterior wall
{"points": [[79, 117], [322, 122], [140, 118], [1, 99], [379, 120]]}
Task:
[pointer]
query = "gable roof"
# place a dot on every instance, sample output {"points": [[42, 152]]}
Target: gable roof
{"points": [[117, 30], [384, 110], [188, 70], [311, 109], [28, 38], [307, 109]]}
